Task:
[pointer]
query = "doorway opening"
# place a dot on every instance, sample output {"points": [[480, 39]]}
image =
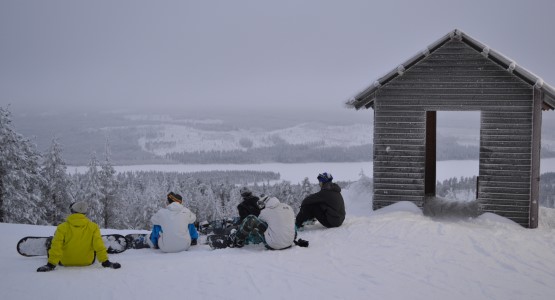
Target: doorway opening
{"points": [[452, 161]]}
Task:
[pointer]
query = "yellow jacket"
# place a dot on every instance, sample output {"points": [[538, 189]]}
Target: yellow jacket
{"points": [[76, 241]]}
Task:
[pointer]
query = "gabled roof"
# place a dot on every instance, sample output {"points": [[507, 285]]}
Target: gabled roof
{"points": [[366, 98]]}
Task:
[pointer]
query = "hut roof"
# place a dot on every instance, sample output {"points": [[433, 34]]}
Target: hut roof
{"points": [[365, 99]]}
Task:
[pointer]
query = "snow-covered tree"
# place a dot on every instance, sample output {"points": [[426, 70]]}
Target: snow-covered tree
{"points": [[110, 205], [92, 192], [284, 192], [206, 204], [56, 186], [306, 189], [142, 205], [230, 206], [20, 180]]}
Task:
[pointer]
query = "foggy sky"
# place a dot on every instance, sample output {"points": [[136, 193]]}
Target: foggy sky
{"points": [[187, 55]]}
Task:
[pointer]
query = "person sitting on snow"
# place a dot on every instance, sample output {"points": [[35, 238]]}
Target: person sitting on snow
{"points": [[77, 242], [249, 205], [326, 206], [275, 226], [173, 229]]}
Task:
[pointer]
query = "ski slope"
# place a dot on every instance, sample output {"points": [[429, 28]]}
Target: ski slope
{"points": [[392, 253]]}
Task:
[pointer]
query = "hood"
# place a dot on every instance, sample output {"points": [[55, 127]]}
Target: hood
{"points": [[251, 199], [272, 202], [330, 186], [77, 220], [174, 206]]}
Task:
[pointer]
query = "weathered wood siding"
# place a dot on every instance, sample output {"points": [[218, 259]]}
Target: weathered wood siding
{"points": [[456, 78]]}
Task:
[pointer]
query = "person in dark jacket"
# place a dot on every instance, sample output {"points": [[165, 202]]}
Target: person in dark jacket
{"points": [[326, 206], [249, 204]]}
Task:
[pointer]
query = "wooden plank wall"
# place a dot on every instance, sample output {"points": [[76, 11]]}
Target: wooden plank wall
{"points": [[456, 78]]}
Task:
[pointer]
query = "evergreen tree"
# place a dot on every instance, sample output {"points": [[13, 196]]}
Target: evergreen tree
{"points": [[230, 207], [306, 188], [207, 206], [108, 186], [150, 202], [136, 209], [284, 192], [92, 192], [20, 180], [56, 188]]}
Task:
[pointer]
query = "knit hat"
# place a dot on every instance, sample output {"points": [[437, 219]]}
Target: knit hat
{"points": [[245, 191], [325, 177], [80, 207], [172, 197]]}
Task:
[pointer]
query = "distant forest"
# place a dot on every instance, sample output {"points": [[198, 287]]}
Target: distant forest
{"points": [[448, 149], [282, 153]]}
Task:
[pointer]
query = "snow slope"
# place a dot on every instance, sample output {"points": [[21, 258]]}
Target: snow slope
{"points": [[393, 253]]}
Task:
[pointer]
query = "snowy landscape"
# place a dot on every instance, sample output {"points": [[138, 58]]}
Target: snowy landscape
{"points": [[392, 253], [118, 103]]}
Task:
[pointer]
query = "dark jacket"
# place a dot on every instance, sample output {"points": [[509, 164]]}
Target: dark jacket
{"points": [[330, 200], [248, 207]]}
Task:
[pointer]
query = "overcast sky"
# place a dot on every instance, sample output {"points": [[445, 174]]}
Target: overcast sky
{"points": [[183, 55]]}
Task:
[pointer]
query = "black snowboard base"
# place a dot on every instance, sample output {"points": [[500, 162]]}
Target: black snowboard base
{"points": [[138, 240], [219, 241], [217, 226], [39, 245]]}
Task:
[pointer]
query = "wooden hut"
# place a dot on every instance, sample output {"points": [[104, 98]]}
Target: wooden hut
{"points": [[459, 73]]}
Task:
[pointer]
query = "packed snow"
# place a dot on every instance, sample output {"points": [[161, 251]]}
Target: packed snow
{"points": [[392, 253]]}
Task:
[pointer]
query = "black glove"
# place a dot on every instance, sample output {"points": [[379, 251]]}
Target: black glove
{"points": [[109, 264], [46, 268], [301, 243]]}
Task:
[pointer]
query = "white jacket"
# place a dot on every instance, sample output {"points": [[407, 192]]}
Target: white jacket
{"points": [[281, 224], [174, 220]]}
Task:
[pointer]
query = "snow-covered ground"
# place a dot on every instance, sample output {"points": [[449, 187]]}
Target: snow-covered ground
{"points": [[393, 253]]}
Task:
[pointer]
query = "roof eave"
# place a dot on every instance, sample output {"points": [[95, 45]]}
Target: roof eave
{"points": [[367, 96]]}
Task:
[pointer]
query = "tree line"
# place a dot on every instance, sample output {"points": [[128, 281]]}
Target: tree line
{"points": [[280, 153]]}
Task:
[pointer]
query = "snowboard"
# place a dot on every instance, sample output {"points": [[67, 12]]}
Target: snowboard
{"points": [[39, 245], [217, 226], [138, 240], [218, 241]]}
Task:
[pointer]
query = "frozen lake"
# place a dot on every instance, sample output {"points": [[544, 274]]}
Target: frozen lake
{"points": [[297, 172]]}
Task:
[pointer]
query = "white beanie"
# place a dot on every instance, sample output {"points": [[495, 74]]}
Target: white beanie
{"points": [[79, 207]]}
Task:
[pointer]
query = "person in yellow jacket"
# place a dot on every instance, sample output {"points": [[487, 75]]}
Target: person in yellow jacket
{"points": [[77, 242]]}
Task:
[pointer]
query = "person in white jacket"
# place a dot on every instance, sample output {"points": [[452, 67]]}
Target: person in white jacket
{"points": [[275, 225], [171, 226]]}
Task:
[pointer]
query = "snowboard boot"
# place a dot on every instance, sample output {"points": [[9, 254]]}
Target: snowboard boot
{"points": [[309, 222], [234, 241]]}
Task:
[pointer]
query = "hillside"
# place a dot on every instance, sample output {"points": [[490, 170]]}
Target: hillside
{"points": [[238, 138], [393, 253]]}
